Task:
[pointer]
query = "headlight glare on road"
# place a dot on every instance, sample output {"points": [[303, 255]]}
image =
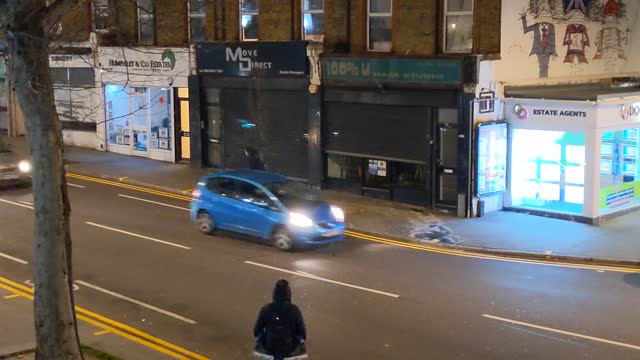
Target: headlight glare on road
{"points": [[297, 219], [24, 166], [338, 213]]}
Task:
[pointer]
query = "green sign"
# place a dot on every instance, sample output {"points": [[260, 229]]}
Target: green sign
{"points": [[618, 195], [393, 70]]}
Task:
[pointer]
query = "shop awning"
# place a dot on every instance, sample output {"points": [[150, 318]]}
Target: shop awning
{"points": [[576, 92]]}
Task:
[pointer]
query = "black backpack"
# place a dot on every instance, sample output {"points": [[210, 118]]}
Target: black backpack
{"points": [[279, 337]]}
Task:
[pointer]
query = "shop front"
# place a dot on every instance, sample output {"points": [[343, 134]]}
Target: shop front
{"points": [[254, 104], [146, 106], [397, 129], [574, 159]]}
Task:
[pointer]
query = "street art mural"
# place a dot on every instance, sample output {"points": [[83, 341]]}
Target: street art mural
{"points": [[595, 30]]}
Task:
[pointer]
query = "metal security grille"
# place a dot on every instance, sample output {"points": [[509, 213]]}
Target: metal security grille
{"points": [[272, 122], [384, 131]]}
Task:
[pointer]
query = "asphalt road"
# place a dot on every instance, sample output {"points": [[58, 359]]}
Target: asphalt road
{"points": [[144, 264]]}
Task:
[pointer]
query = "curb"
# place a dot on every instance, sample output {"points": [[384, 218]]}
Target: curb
{"points": [[14, 354], [567, 259]]}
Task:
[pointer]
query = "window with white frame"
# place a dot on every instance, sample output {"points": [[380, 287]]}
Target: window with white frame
{"points": [[248, 20], [313, 20], [146, 28], [379, 14], [101, 15], [458, 22], [197, 20]]}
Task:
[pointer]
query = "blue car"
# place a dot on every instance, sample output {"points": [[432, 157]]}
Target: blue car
{"points": [[266, 205]]}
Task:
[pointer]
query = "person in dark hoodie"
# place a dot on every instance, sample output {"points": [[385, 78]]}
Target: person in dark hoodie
{"points": [[280, 329]]}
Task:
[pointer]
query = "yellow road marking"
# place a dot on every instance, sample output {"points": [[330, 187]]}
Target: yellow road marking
{"points": [[116, 327], [103, 332], [188, 191], [122, 178], [12, 296], [407, 245], [131, 187]]}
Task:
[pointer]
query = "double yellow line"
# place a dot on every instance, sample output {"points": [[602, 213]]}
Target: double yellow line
{"points": [[110, 326], [373, 238], [130, 187]]}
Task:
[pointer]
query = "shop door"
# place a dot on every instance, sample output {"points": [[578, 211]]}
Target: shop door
{"points": [[139, 104], [184, 145], [446, 192]]}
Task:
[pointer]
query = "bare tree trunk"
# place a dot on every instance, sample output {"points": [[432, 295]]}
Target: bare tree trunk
{"points": [[55, 323]]}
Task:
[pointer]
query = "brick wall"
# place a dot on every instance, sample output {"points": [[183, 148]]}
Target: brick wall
{"points": [[415, 29], [275, 20], [336, 38], [357, 26], [171, 20], [487, 26], [231, 20], [76, 24], [126, 26]]}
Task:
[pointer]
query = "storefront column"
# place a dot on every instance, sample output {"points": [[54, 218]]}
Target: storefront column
{"points": [[315, 158], [465, 123], [592, 174], [195, 123]]}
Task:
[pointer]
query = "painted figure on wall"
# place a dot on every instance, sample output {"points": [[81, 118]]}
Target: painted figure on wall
{"points": [[544, 37], [576, 38], [611, 38], [577, 5]]}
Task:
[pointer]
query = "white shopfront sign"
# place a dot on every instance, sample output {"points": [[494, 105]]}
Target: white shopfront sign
{"points": [[144, 66]]}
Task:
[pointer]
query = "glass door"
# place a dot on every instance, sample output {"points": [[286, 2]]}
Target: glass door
{"points": [[139, 105]]}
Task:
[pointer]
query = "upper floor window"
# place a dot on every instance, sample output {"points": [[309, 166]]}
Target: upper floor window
{"points": [[197, 20], [458, 22], [379, 14], [101, 15], [248, 20], [313, 20], [146, 28]]}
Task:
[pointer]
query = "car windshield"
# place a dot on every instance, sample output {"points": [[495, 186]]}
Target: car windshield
{"points": [[290, 192]]}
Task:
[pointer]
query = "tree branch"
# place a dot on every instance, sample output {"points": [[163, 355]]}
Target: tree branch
{"points": [[57, 9]]}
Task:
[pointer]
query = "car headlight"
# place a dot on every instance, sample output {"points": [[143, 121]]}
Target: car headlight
{"points": [[338, 213], [24, 166], [300, 220]]}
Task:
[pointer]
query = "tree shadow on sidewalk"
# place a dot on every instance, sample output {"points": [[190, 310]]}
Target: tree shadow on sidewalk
{"points": [[632, 279]]}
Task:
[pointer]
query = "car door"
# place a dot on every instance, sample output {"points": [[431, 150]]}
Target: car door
{"points": [[258, 212], [221, 201]]}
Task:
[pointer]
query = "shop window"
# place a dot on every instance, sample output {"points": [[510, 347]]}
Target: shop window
{"points": [[146, 28], [73, 90], [458, 22], [379, 14], [344, 172], [619, 173], [313, 20], [548, 169], [101, 16], [249, 20], [197, 21], [139, 117]]}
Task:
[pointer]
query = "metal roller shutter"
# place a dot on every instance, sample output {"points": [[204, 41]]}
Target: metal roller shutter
{"points": [[274, 122], [383, 131]]}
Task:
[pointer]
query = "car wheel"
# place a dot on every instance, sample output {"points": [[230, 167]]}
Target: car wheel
{"points": [[282, 239], [205, 222]]}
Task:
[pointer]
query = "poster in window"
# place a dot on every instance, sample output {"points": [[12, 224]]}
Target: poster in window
{"points": [[153, 143], [164, 132], [378, 167], [491, 172], [164, 144], [154, 136]]}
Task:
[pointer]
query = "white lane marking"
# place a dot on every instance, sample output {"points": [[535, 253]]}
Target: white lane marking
{"points": [[16, 204], [27, 203], [76, 185], [14, 259], [314, 277], [592, 338], [137, 302], [138, 235], [153, 202]]}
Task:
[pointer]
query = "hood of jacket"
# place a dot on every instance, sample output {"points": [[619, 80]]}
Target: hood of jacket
{"points": [[282, 292]]}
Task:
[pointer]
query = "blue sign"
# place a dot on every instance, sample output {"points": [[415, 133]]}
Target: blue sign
{"points": [[436, 71]]}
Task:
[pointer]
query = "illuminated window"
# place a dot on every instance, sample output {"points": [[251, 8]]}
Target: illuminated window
{"points": [[458, 22], [379, 14], [248, 20], [313, 20], [619, 173]]}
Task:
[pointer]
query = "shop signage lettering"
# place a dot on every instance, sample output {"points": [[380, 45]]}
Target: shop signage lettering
{"points": [[620, 198], [619, 195], [568, 113], [141, 64], [262, 59], [61, 58], [627, 111], [393, 70]]}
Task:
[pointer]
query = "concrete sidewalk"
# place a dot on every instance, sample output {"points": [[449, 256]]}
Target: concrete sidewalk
{"points": [[504, 233]]}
